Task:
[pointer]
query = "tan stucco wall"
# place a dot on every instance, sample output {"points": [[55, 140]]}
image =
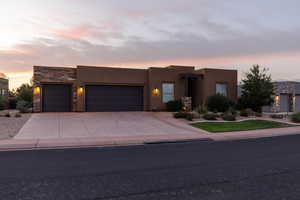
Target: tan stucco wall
{"points": [[213, 76], [158, 76], [89, 75], [150, 78]]}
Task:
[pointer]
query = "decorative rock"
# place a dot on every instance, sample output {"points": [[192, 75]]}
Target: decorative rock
{"points": [[187, 103]]}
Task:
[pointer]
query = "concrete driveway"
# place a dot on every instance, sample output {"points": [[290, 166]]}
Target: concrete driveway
{"points": [[106, 124]]}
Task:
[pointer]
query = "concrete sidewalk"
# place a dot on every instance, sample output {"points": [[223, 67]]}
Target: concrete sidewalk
{"points": [[141, 140]]}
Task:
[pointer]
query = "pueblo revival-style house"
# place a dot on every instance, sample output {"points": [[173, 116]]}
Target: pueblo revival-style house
{"points": [[105, 89]]}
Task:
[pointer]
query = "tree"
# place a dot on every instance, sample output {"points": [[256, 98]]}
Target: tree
{"points": [[25, 93], [257, 89]]}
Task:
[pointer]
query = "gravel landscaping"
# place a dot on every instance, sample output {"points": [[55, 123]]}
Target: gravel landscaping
{"points": [[10, 126]]}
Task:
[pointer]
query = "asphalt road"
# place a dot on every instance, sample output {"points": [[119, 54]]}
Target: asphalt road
{"points": [[249, 169]]}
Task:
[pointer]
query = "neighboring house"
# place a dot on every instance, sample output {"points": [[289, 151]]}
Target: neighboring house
{"points": [[98, 89], [3, 85], [287, 97]]}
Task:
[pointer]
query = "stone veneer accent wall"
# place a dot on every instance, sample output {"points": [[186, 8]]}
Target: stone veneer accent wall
{"points": [[60, 75], [283, 88]]}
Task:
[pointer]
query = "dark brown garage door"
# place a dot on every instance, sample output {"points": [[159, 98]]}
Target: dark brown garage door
{"points": [[57, 98], [108, 98]]}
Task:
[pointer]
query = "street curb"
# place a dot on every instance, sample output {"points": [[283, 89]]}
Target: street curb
{"points": [[179, 141], [37, 144]]}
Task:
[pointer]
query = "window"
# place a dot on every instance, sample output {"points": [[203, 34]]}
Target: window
{"points": [[221, 88], [168, 92]]}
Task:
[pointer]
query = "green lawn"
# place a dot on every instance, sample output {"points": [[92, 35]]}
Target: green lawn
{"points": [[216, 127]]}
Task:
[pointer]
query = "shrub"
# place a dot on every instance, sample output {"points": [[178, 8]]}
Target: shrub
{"points": [[277, 116], [210, 116], [219, 103], [180, 114], [247, 112], [229, 117], [195, 114], [244, 113], [23, 106], [18, 115], [189, 116], [201, 109], [2, 103], [174, 106], [12, 102], [258, 114], [296, 117], [232, 111]]}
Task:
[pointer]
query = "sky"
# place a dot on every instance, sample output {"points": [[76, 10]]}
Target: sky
{"points": [[231, 34]]}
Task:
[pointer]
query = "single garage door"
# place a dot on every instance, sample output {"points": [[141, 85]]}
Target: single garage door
{"points": [[57, 98], [108, 98]]}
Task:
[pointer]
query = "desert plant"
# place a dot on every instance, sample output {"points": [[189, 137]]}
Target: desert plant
{"points": [[246, 112], [277, 116], [174, 106], [229, 117], [180, 114], [258, 114], [210, 116], [195, 114], [189, 116], [201, 109], [18, 115], [219, 103], [296, 117], [23, 106], [232, 111], [2, 103], [12, 102]]}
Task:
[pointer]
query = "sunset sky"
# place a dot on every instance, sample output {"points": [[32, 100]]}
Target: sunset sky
{"points": [[138, 33]]}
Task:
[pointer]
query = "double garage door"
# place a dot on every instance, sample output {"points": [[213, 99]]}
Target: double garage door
{"points": [[98, 98]]}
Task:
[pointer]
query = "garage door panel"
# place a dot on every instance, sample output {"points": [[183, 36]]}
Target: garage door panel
{"points": [[56, 98], [114, 98]]}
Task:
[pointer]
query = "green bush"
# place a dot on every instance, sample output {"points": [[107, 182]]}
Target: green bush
{"points": [[219, 103], [12, 102], [244, 113], [189, 116], [296, 117], [210, 116], [180, 114], [23, 106], [184, 115], [174, 106], [258, 114], [247, 112], [232, 111], [201, 109], [229, 117], [277, 116], [2, 103], [18, 115]]}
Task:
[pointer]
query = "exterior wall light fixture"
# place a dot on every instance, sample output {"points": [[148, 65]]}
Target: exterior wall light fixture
{"points": [[277, 100], [80, 90], [156, 92], [37, 90]]}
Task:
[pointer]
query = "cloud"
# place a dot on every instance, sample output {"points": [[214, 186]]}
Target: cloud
{"points": [[145, 33]]}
